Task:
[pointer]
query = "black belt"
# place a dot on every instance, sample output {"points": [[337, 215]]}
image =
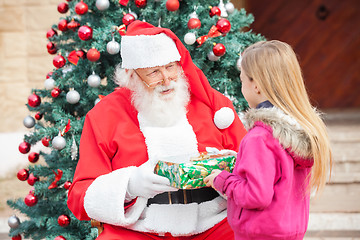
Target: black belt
{"points": [[185, 196]]}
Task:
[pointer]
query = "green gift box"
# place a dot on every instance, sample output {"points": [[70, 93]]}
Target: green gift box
{"points": [[190, 175]]}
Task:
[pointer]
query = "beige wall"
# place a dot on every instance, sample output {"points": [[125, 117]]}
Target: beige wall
{"points": [[24, 61]]}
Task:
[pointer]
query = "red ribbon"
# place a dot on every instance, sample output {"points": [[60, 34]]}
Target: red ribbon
{"points": [[214, 32], [73, 57], [66, 129], [123, 2], [122, 30], [58, 176]]}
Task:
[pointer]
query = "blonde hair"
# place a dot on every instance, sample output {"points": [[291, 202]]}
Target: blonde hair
{"points": [[275, 69]]}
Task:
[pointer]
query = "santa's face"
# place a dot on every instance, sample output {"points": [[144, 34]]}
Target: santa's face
{"points": [[154, 77], [163, 104]]}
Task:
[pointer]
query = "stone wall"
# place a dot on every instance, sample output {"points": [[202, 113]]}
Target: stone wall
{"points": [[24, 60]]}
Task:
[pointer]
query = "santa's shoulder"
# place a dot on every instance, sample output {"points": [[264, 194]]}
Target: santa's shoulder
{"points": [[115, 103]]}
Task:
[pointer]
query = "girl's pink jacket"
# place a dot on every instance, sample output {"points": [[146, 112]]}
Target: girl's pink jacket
{"points": [[267, 191]]}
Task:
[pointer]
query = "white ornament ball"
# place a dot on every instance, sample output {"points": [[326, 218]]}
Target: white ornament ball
{"points": [[29, 122], [94, 80], [49, 84], [113, 47], [211, 56], [238, 63], [14, 222], [97, 101], [102, 4], [190, 38], [224, 117], [73, 97], [229, 7], [58, 142]]}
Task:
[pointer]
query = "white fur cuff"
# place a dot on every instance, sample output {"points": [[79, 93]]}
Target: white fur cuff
{"points": [[105, 197]]}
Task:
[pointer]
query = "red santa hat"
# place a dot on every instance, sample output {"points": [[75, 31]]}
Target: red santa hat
{"points": [[145, 45]]}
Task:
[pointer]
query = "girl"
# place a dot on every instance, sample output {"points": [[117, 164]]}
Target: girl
{"points": [[285, 154]]}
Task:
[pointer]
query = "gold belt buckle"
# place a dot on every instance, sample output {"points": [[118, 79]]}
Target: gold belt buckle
{"points": [[184, 194]]}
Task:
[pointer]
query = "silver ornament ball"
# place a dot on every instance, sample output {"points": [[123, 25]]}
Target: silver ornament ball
{"points": [[229, 7], [97, 101], [29, 122], [102, 4], [211, 56], [113, 47], [94, 80], [58, 142], [14, 222], [49, 84], [190, 38], [73, 97]]}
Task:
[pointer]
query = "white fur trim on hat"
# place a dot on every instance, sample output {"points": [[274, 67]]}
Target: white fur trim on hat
{"points": [[224, 117], [144, 51]]}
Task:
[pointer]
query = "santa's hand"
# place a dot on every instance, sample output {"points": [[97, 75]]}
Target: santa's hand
{"points": [[145, 183]]}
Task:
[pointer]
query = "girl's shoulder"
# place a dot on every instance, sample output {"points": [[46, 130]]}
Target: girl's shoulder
{"points": [[281, 126]]}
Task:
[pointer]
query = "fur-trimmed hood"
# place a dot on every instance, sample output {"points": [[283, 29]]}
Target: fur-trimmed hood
{"points": [[286, 129]]}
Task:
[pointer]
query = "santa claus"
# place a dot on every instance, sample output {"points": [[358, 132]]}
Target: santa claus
{"points": [[164, 109]]}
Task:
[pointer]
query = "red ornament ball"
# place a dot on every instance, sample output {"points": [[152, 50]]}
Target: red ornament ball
{"points": [[17, 237], [223, 25], [60, 238], [140, 3], [32, 179], [33, 157], [219, 49], [128, 18], [38, 116], [34, 100], [62, 25], [81, 8], [45, 141], [85, 33], [51, 33], [55, 93], [67, 185], [194, 23], [172, 5], [63, 7], [23, 174], [24, 147], [59, 61], [93, 55], [51, 47], [30, 200], [48, 75], [215, 11], [64, 220], [73, 25]]}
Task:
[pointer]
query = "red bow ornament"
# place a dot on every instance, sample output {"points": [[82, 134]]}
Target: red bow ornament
{"points": [[58, 176], [214, 32]]}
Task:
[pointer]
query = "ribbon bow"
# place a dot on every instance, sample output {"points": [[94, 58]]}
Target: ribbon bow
{"points": [[58, 176], [214, 32], [124, 2]]}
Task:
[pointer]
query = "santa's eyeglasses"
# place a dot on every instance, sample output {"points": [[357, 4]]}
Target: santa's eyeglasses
{"points": [[159, 75]]}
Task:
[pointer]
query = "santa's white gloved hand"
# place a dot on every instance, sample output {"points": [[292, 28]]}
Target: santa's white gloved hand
{"points": [[145, 183]]}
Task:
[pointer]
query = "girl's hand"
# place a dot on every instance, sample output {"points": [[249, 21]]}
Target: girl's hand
{"points": [[209, 180]]}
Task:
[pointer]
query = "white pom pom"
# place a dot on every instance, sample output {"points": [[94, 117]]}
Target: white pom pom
{"points": [[224, 117]]}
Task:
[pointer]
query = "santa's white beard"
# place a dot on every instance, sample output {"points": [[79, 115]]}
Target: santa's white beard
{"points": [[161, 110]]}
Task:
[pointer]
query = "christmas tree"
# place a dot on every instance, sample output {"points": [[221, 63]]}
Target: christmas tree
{"points": [[85, 44]]}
